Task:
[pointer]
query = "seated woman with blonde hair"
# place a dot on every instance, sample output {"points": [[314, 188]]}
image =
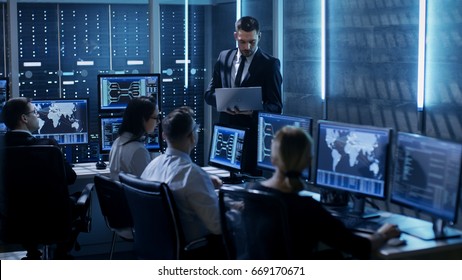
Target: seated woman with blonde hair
{"points": [[310, 223]]}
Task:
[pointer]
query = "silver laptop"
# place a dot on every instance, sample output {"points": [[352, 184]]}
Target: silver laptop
{"points": [[244, 98]]}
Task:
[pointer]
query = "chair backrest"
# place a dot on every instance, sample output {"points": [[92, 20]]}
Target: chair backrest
{"points": [[254, 224], [37, 207], [113, 203], [157, 234]]}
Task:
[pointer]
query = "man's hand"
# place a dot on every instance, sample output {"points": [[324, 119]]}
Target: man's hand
{"points": [[236, 111], [217, 182]]}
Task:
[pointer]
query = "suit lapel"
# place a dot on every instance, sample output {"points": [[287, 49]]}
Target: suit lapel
{"points": [[229, 61]]}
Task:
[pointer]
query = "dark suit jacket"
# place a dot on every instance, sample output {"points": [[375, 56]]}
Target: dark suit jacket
{"points": [[264, 71], [19, 138]]}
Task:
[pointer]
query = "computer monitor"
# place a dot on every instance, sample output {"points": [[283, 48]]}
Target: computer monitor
{"points": [[4, 94], [115, 90], [226, 150], [65, 120], [109, 131], [268, 125], [426, 177], [353, 158]]}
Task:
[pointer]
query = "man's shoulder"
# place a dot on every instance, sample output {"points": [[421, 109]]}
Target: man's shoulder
{"points": [[224, 54], [18, 138], [198, 169], [265, 56], [156, 161], [228, 51], [46, 141], [197, 173]]}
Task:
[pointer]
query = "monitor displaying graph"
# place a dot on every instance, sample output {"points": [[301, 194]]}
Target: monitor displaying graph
{"points": [[109, 131], [116, 90], [227, 147], [268, 125]]}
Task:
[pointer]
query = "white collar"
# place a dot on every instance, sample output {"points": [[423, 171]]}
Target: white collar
{"points": [[249, 59]]}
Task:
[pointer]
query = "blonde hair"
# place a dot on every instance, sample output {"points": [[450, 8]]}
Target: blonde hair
{"points": [[292, 154]]}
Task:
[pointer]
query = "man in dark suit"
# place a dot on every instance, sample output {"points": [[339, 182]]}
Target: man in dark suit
{"points": [[21, 119], [259, 69]]}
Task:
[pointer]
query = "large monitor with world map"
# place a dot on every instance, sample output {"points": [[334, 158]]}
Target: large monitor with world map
{"points": [[268, 125], [65, 120], [353, 158], [115, 90], [426, 178]]}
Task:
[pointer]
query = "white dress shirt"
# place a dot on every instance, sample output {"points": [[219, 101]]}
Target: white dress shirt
{"points": [[246, 66], [192, 189]]}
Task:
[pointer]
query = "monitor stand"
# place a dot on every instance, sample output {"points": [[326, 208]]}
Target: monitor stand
{"points": [[438, 230], [334, 198], [234, 178], [359, 208]]}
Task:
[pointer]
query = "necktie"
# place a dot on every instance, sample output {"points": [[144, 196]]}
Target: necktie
{"points": [[237, 81]]}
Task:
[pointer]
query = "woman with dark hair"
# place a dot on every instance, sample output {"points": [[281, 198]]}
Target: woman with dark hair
{"points": [[128, 152], [310, 223]]}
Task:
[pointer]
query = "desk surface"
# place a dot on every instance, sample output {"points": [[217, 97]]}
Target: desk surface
{"points": [[415, 248], [88, 170]]}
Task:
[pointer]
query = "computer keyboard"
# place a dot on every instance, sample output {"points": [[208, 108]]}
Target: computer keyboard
{"points": [[359, 224], [232, 180], [350, 221], [368, 226]]}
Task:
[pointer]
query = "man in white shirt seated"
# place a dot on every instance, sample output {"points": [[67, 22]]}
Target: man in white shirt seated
{"points": [[191, 186]]}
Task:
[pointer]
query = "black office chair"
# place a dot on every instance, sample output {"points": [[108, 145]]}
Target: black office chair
{"points": [[158, 233], [36, 207], [83, 216], [254, 224], [114, 208], [156, 230]]}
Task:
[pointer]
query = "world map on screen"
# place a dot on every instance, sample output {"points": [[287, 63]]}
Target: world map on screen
{"points": [[355, 152], [63, 117]]}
